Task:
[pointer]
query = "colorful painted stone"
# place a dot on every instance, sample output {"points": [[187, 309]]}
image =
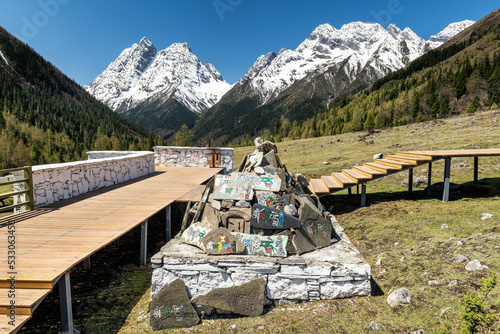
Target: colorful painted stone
{"points": [[259, 182], [222, 242], [268, 198], [269, 218], [235, 190], [274, 245], [220, 179], [195, 234]]}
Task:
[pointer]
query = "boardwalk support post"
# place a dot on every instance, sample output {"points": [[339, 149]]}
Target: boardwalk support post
{"points": [[429, 180], [349, 191], [144, 242], [447, 169], [86, 264], [168, 227], [66, 307], [476, 169], [410, 180], [363, 195]]}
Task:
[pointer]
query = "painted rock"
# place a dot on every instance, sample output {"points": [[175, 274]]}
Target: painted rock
{"points": [[274, 245], [269, 218], [318, 229], [195, 234], [221, 242], [171, 308], [235, 190], [259, 182]]}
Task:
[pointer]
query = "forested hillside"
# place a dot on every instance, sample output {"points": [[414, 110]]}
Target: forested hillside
{"points": [[462, 76], [45, 117]]}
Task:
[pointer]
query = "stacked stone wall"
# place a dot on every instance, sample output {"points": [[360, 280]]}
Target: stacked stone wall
{"points": [[52, 183], [177, 156]]}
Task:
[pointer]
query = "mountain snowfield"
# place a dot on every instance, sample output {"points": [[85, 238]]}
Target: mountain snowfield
{"points": [[143, 74], [358, 47]]}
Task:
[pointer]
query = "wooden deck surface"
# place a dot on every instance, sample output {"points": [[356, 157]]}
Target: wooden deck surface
{"points": [[456, 153], [51, 240]]}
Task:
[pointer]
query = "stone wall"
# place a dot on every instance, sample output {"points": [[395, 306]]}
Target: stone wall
{"points": [[177, 156], [52, 183], [337, 271]]}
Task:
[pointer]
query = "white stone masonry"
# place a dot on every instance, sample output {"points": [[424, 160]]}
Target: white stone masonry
{"points": [[52, 183], [177, 156]]}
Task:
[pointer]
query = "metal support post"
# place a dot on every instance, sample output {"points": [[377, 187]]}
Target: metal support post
{"points": [[476, 169], [410, 180], [363, 195], [86, 264], [66, 308], [349, 191], [447, 169], [168, 227], [429, 179], [357, 189], [144, 242]]}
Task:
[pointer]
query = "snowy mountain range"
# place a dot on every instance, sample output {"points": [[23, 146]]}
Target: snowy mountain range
{"points": [[364, 51], [146, 85]]}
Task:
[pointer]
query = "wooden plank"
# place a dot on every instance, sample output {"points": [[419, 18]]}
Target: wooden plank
{"points": [[454, 153], [380, 167], [415, 155], [25, 300], [343, 179], [413, 160], [368, 171], [6, 328], [193, 195], [331, 183], [356, 176], [319, 187], [394, 163]]}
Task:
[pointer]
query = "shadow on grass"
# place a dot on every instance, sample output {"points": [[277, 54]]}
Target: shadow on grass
{"points": [[344, 203], [376, 289]]}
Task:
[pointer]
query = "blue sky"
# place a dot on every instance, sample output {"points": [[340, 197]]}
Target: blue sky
{"points": [[81, 37]]}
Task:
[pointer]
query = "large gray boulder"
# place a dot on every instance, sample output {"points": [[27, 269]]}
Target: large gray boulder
{"points": [[171, 308], [246, 299]]}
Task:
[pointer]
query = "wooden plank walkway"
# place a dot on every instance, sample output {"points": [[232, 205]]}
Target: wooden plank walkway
{"points": [[49, 241], [399, 162]]}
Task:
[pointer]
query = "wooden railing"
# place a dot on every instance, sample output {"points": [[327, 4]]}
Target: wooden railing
{"points": [[7, 179]]}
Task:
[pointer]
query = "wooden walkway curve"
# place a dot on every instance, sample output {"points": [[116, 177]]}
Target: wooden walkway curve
{"points": [[391, 164], [49, 241]]}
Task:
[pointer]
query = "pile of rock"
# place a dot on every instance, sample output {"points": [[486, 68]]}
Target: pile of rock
{"points": [[259, 210], [262, 211]]}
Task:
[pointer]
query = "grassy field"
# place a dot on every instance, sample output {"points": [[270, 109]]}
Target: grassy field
{"points": [[407, 238]]}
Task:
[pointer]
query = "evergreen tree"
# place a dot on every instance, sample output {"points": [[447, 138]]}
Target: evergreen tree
{"points": [[2, 121], [183, 137]]}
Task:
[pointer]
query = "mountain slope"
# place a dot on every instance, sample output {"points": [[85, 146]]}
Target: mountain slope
{"points": [[49, 117], [328, 64], [159, 89]]}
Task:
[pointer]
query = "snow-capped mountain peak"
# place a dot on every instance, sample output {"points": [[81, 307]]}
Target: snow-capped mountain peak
{"points": [[450, 31], [141, 74]]}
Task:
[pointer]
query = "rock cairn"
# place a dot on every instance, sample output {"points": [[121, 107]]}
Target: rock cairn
{"points": [[261, 209]]}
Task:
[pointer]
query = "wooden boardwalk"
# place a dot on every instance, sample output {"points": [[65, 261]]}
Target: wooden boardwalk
{"points": [[360, 175], [49, 241]]}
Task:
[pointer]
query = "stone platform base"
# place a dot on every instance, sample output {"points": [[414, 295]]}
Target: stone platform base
{"points": [[336, 271]]}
